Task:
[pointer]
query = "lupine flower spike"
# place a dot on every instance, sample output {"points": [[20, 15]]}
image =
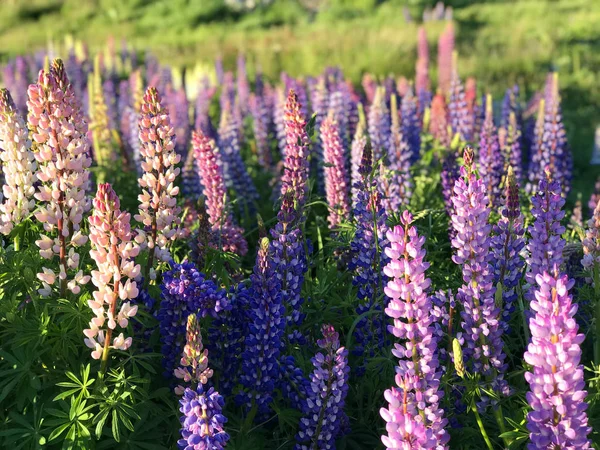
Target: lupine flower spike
{"points": [[413, 417], [114, 251], [193, 367], [158, 209], [491, 161], [591, 266], [61, 148]]}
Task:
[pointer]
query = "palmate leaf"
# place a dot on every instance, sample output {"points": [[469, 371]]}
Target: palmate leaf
{"points": [[17, 375], [73, 419], [76, 385], [24, 431]]}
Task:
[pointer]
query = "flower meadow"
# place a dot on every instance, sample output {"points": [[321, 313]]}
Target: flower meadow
{"points": [[303, 263]]}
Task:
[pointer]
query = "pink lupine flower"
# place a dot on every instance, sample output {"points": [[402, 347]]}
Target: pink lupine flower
{"points": [[336, 175], [17, 163], [226, 235], [193, 369], [158, 209], [61, 148], [114, 251]]}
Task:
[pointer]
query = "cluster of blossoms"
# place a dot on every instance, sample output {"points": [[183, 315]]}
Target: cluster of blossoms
{"points": [[185, 291], [509, 138], [193, 367], [438, 120], [556, 396], [263, 341], [323, 410], [262, 123], [591, 246], [445, 51], [158, 209], [483, 345], [114, 251], [18, 166], [461, 119], [491, 161], [226, 235], [359, 141], [336, 175], [379, 125], [61, 149], [507, 244], [545, 245], [413, 417]]}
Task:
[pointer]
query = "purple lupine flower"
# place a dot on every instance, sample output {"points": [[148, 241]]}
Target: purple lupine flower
{"points": [[556, 396], [413, 417], [204, 97], [109, 89], [591, 246], [379, 125], [510, 142], [289, 257], [450, 173], [263, 343], [510, 105], [178, 107], [536, 139], [278, 119], [545, 245], [445, 51], [556, 153], [202, 421], [20, 84], [339, 107], [190, 180], [243, 87], [438, 122], [292, 382], [410, 125], [185, 291], [261, 121], [476, 112], [491, 161], [323, 410], [367, 257], [461, 120], [480, 316], [219, 71], [507, 243], [226, 235], [234, 168], [336, 175], [295, 176], [318, 100], [358, 145]]}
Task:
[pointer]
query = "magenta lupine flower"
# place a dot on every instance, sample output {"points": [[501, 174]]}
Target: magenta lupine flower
{"points": [[158, 209], [422, 69], [323, 410], [438, 122], [507, 243], [476, 111], [114, 251], [336, 175], [193, 367], [297, 150], [445, 50], [61, 148], [226, 235], [18, 166], [369, 85], [491, 161], [545, 245], [480, 316], [379, 125], [556, 396], [413, 417]]}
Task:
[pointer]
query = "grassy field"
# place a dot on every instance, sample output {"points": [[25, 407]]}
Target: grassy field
{"points": [[498, 42]]}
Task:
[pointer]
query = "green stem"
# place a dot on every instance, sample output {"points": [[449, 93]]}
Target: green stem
{"points": [[500, 419], [17, 242], [525, 325], [486, 438]]}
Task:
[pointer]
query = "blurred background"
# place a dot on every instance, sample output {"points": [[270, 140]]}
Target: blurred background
{"points": [[499, 42]]}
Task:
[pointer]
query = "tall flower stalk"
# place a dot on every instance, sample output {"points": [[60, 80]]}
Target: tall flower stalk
{"points": [[336, 175], [158, 210], [491, 162], [413, 416], [61, 149], [18, 165], [114, 251], [591, 265]]}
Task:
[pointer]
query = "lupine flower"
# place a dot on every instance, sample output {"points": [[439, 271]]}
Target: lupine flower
{"points": [[190, 183], [202, 421], [336, 175], [411, 129], [507, 243], [185, 291], [297, 149], [323, 410], [379, 125], [510, 142], [358, 144], [491, 161], [422, 83], [226, 235], [545, 245], [450, 173], [203, 100], [193, 367], [339, 108], [510, 105], [476, 112], [445, 50], [556, 396], [292, 382], [243, 87], [158, 209], [318, 100], [413, 417], [114, 251], [593, 202], [104, 154], [278, 119], [480, 315], [438, 123], [18, 166], [261, 122], [264, 339], [535, 168], [289, 257], [109, 90], [178, 108], [367, 256], [61, 148], [234, 168], [591, 246], [461, 120], [369, 85]]}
